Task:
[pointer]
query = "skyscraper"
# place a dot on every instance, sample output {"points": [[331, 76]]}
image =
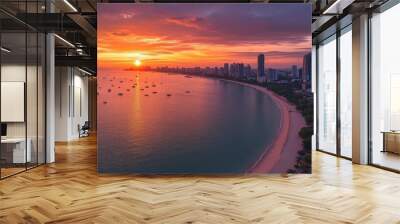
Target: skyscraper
{"points": [[272, 74], [247, 71], [261, 68], [226, 69], [306, 76], [306, 67], [294, 72], [241, 70], [300, 73], [233, 70]]}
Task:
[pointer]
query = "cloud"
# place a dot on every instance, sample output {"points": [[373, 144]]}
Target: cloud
{"points": [[201, 32], [127, 15], [120, 33], [194, 22]]}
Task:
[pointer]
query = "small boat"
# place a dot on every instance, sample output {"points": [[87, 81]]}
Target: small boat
{"points": [[105, 102], [168, 94], [154, 92], [147, 86], [187, 91], [128, 90], [120, 94], [146, 94], [141, 89], [109, 90], [188, 76], [153, 85]]}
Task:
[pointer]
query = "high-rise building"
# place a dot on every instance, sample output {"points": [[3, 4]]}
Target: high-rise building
{"points": [[261, 68], [306, 67], [306, 76], [295, 73], [241, 70], [226, 69], [272, 74], [247, 71], [233, 70], [300, 73]]}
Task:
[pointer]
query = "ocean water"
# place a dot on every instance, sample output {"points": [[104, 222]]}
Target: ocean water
{"points": [[159, 123]]}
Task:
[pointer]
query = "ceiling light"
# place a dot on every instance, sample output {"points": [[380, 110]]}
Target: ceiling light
{"points": [[86, 72], [70, 5], [331, 7], [64, 40], [5, 50], [337, 7]]}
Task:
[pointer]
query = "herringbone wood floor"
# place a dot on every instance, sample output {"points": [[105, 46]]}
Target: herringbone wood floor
{"points": [[70, 191]]}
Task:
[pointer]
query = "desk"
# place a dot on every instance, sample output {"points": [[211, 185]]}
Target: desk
{"points": [[391, 141], [19, 155]]}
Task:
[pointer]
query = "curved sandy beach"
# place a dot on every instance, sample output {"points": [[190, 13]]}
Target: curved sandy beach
{"points": [[282, 153]]}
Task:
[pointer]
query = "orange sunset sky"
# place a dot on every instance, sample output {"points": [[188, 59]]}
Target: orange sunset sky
{"points": [[202, 34]]}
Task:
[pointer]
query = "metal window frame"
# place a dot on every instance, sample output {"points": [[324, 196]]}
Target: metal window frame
{"points": [[339, 31], [381, 9]]}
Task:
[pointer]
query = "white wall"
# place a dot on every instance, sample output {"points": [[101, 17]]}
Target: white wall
{"points": [[12, 73], [81, 84], [71, 87], [33, 127], [62, 82]]}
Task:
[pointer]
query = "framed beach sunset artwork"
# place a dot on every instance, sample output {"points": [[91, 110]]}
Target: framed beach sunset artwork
{"points": [[204, 88]]}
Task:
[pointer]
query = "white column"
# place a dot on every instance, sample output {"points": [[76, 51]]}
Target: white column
{"points": [[63, 101], [50, 92], [360, 90], [50, 99]]}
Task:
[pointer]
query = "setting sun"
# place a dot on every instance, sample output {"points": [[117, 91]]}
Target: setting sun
{"points": [[138, 62]]}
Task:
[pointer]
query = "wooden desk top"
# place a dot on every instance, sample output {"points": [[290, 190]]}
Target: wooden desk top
{"points": [[391, 132]]}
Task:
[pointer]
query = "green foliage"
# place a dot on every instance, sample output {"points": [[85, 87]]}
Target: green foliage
{"points": [[304, 104]]}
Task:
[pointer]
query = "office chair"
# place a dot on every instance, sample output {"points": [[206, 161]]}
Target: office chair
{"points": [[84, 130]]}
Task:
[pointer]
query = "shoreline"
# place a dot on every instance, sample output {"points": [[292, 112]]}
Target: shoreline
{"points": [[281, 154], [285, 146]]}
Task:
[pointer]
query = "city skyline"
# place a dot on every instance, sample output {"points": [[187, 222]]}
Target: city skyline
{"points": [[169, 35], [242, 71]]}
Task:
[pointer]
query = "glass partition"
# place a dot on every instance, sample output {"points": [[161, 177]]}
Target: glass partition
{"points": [[31, 99], [327, 95], [345, 92], [41, 96], [22, 92], [13, 103]]}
